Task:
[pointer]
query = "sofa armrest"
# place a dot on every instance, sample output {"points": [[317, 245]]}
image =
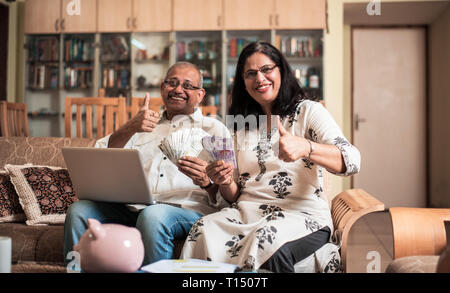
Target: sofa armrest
{"points": [[346, 208], [418, 231]]}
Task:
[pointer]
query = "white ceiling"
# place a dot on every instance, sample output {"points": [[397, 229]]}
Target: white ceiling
{"points": [[404, 13]]}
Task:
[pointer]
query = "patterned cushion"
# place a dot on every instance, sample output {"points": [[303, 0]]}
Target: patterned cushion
{"points": [[45, 192], [10, 208]]}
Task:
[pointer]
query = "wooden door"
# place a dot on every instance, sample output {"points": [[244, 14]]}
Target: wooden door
{"points": [[84, 22], [300, 14], [197, 15], [115, 15], [389, 107], [152, 16], [248, 15], [42, 16]]}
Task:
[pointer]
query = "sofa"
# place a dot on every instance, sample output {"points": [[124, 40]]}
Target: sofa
{"points": [[39, 248], [421, 240]]}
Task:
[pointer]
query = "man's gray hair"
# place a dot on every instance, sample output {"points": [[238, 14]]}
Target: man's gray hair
{"points": [[186, 64]]}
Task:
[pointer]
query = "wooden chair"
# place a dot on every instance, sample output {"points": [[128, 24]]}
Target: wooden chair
{"points": [[14, 119], [346, 208], [418, 231], [209, 110], [136, 103], [110, 115]]}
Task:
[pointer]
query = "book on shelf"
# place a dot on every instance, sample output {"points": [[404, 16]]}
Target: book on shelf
{"points": [[116, 77], [43, 49], [197, 50], [306, 47], [78, 50], [233, 48], [236, 45], [43, 77], [115, 48], [78, 76]]}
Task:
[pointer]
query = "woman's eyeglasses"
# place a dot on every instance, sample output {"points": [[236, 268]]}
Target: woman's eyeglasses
{"points": [[174, 83], [266, 69]]}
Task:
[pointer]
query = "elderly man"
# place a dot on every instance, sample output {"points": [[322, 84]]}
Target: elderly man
{"points": [[185, 187]]}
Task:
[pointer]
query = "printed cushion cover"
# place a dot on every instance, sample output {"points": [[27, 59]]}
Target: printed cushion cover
{"points": [[10, 208], [45, 192]]}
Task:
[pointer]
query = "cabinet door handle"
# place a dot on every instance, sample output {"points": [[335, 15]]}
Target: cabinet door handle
{"points": [[134, 22], [57, 25], [128, 22], [63, 27], [218, 20], [276, 20], [270, 19]]}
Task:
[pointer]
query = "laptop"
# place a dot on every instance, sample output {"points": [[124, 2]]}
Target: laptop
{"points": [[109, 175]]}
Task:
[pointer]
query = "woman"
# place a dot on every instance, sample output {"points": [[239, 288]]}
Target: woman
{"points": [[280, 214]]}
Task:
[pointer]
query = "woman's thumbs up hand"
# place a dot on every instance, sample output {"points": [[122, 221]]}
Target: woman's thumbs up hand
{"points": [[291, 147]]}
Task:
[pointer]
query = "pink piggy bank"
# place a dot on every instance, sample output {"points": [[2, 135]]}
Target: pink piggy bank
{"points": [[110, 248]]}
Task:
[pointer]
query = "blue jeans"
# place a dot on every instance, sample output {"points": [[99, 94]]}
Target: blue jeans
{"points": [[159, 225]]}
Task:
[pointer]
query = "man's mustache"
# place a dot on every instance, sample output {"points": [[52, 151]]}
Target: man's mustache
{"points": [[175, 95]]}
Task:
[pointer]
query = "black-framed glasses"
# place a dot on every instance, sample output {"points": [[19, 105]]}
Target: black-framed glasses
{"points": [[265, 69], [173, 83]]}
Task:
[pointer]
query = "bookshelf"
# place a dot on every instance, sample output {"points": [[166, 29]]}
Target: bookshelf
{"points": [[151, 59], [131, 64], [204, 50], [78, 61], [42, 83], [43, 62], [115, 63], [304, 51]]}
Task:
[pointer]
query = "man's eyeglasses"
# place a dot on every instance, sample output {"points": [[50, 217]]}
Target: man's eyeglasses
{"points": [[265, 69], [174, 83]]}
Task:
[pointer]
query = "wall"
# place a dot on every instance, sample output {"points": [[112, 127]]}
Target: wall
{"points": [[16, 56], [439, 93], [334, 80]]}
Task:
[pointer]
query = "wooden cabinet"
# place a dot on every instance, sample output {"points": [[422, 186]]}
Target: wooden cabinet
{"points": [[85, 22], [42, 16], [248, 15], [134, 15], [108, 16], [152, 15], [197, 15], [300, 14], [274, 14], [115, 16]]}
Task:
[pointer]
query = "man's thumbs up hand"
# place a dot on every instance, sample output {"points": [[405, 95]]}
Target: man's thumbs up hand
{"points": [[291, 147], [146, 119]]}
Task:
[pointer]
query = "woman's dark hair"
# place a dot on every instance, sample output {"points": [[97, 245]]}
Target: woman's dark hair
{"points": [[290, 93]]}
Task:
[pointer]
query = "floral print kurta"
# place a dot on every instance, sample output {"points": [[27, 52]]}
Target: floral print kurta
{"points": [[279, 202]]}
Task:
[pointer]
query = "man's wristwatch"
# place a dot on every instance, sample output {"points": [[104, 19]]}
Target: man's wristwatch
{"points": [[207, 186]]}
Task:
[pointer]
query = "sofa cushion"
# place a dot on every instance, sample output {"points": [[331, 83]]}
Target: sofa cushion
{"points": [[45, 193], [38, 150], [35, 243], [414, 264], [10, 208]]}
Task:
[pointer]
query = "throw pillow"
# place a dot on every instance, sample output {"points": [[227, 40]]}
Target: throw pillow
{"points": [[10, 208], [45, 192]]}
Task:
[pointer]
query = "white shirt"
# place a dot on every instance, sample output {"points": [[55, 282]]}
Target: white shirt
{"points": [[167, 183]]}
